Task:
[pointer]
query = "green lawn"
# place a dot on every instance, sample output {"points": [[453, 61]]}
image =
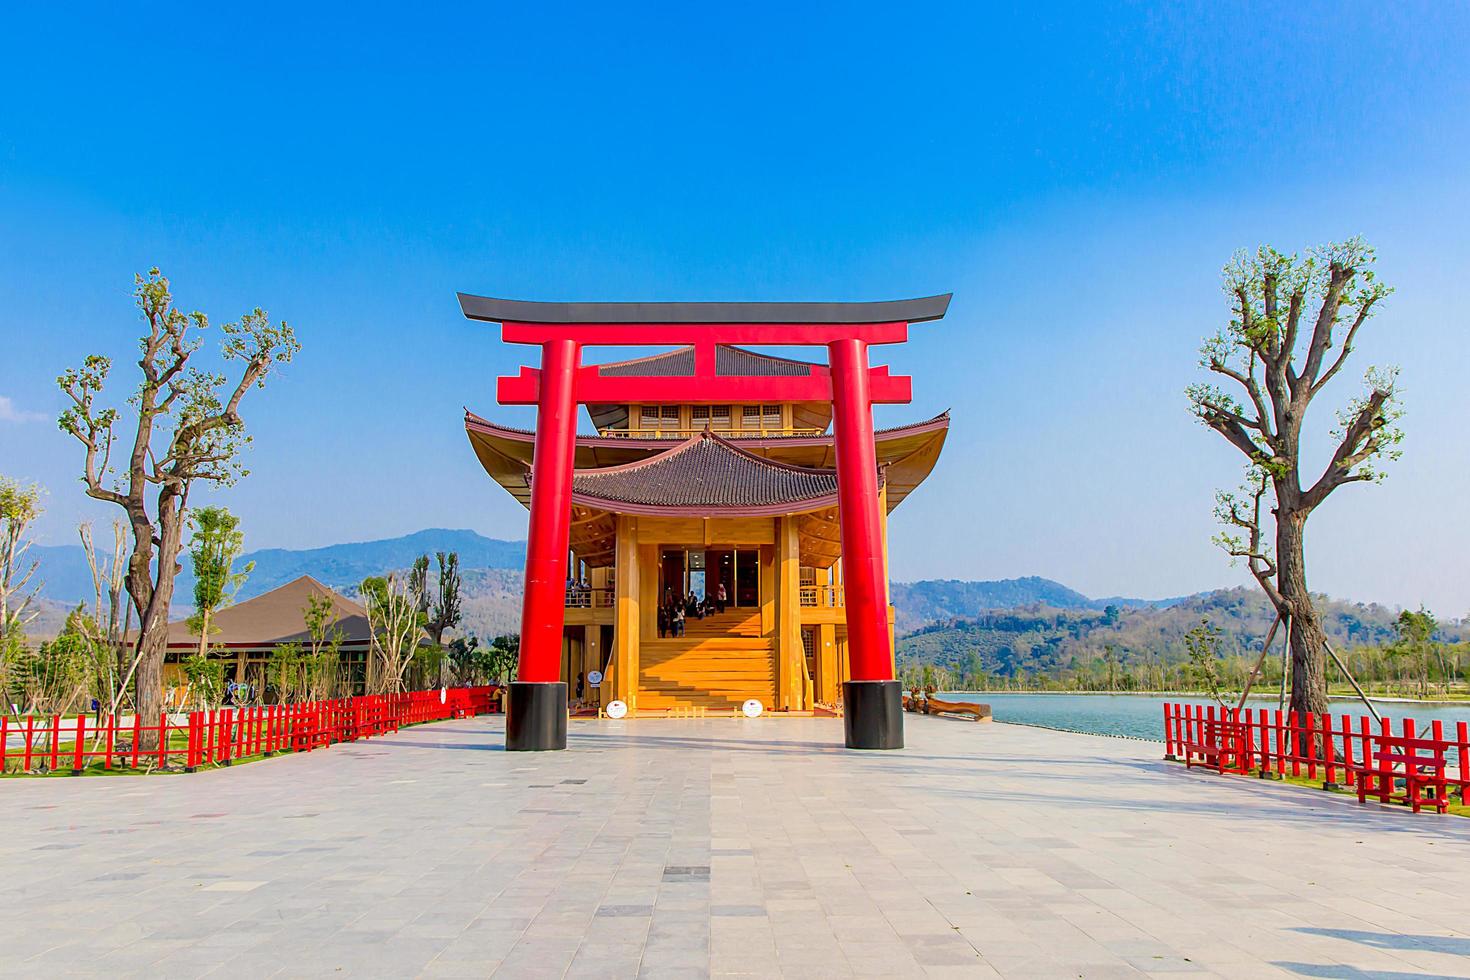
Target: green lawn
{"points": [[1457, 808]]}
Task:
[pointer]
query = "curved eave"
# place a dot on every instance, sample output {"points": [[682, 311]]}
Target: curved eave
{"points": [[493, 310], [908, 453]]}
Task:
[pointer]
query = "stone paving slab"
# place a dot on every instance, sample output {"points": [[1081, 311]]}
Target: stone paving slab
{"points": [[723, 847]]}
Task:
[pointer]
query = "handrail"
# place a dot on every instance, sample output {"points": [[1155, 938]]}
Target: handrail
{"points": [[822, 597], [584, 597]]}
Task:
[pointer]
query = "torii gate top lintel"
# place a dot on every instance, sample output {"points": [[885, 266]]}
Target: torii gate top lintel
{"points": [[702, 325]]}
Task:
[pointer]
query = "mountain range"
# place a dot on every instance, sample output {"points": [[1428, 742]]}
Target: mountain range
{"points": [[919, 603], [1018, 624], [67, 576]]}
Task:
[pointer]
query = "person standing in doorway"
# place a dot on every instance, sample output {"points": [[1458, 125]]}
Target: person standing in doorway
{"points": [[720, 598]]}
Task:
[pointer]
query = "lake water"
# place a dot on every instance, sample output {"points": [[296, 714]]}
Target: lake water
{"points": [[1142, 716]]}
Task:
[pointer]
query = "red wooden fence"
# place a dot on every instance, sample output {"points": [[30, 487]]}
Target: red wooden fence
{"points": [[1331, 747], [217, 737]]}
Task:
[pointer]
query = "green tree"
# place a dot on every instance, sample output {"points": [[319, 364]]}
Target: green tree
{"points": [[1203, 645], [188, 429], [206, 677], [321, 658], [1110, 662], [1276, 358], [19, 507], [217, 542], [439, 604], [1414, 642], [284, 671], [504, 655]]}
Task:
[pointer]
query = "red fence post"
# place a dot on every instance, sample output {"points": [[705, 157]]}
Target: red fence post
{"points": [[1441, 753], [77, 761], [1462, 736], [1385, 768], [51, 759], [1248, 733], [1328, 755], [191, 753]]}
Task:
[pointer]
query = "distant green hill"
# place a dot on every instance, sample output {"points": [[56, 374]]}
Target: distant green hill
{"points": [[1045, 639], [933, 600]]}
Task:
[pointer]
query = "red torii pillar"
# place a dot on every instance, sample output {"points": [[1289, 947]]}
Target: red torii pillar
{"points": [[872, 699], [536, 712]]}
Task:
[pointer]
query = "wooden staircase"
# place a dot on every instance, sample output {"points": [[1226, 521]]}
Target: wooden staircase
{"points": [[718, 664]]}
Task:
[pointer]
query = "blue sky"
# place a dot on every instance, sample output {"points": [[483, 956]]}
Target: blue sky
{"points": [[1076, 176]]}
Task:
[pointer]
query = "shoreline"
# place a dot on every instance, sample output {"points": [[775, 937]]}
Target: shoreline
{"points": [[1384, 698]]}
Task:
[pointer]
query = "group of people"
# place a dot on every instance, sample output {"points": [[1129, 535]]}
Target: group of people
{"points": [[675, 610]]}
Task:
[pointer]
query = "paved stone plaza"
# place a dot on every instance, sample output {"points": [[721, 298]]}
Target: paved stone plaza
{"points": [[688, 848]]}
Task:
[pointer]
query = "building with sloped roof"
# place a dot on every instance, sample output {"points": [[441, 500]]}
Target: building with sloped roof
{"points": [[247, 633]]}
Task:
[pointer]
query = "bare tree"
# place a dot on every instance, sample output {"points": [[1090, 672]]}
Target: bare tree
{"points": [[188, 429], [19, 508], [1277, 358], [397, 627], [107, 626]]}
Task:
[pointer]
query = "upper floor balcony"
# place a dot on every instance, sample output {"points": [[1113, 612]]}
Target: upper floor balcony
{"points": [[821, 596], [586, 597]]}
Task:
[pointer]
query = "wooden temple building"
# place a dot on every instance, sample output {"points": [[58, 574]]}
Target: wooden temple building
{"points": [[713, 470]]}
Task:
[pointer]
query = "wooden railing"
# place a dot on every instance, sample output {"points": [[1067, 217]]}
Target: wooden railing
{"points": [[582, 597], [1340, 749], [221, 736], [822, 596]]}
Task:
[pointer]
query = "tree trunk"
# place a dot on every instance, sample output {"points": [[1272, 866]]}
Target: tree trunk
{"points": [[153, 601], [1308, 641]]}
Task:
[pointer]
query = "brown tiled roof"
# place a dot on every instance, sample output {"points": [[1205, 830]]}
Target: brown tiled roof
{"points": [[706, 473], [730, 362], [277, 616]]}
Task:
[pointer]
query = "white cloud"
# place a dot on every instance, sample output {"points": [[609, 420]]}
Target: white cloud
{"points": [[9, 413]]}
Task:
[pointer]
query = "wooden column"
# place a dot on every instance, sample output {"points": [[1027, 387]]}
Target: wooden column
{"points": [[768, 589], [829, 684], [627, 618], [591, 660]]}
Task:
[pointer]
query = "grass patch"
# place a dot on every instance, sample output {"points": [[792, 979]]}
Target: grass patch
{"points": [[1457, 806]]}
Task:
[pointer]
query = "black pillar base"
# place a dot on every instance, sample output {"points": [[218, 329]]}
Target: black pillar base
{"points": [[536, 716], [872, 714]]}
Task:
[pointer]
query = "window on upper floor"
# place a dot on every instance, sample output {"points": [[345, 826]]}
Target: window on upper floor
{"points": [[711, 416], [661, 417], [759, 417]]}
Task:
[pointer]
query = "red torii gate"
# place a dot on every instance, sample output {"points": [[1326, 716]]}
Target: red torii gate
{"points": [[537, 714]]}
